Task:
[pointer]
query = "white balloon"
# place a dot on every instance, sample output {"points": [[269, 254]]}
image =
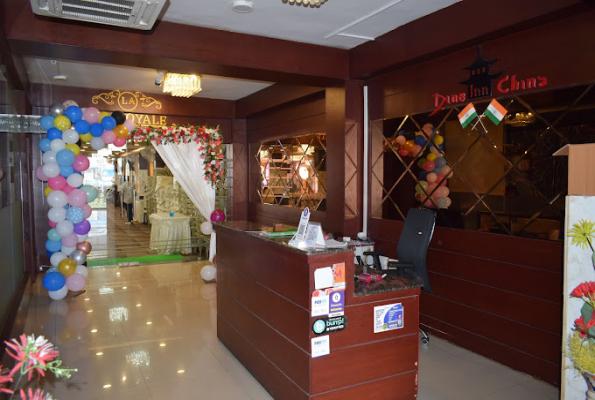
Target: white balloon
{"points": [[81, 269], [58, 294], [57, 198], [69, 103], [97, 143], [68, 249], [206, 228], [57, 214], [64, 228], [208, 272], [82, 238], [51, 169], [57, 145], [70, 136], [49, 156], [56, 258], [75, 180]]}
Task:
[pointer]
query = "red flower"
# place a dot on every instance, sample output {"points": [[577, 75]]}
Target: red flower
{"points": [[32, 354], [579, 325], [585, 289], [37, 395], [5, 377]]}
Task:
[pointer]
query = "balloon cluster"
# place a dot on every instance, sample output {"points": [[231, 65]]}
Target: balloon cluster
{"points": [[209, 272], [67, 248], [434, 171]]}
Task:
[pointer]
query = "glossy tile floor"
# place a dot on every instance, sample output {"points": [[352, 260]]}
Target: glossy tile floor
{"points": [[149, 332]]}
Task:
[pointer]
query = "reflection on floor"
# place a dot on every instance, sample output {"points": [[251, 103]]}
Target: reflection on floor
{"points": [[149, 332]]}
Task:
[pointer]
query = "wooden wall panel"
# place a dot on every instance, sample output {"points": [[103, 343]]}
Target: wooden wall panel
{"points": [[402, 386]]}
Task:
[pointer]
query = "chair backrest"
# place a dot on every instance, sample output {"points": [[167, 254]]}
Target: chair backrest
{"points": [[414, 241]]}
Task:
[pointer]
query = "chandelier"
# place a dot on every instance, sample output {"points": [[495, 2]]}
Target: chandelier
{"points": [[181, 85], [306, 3], [520, 119]]}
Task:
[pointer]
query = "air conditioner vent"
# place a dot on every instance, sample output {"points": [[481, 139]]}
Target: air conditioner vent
{"points": [[138, 14]]}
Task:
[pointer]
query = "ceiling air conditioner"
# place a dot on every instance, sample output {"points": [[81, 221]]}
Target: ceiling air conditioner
{"points": [[137, 14]]}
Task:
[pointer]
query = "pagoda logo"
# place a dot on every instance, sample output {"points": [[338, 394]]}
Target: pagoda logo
{"points": [[480, 79]]}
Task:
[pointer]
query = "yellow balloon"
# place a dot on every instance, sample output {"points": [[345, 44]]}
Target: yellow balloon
{"points": [[103, 114], [86, 137], [47, 190], [62, 122], [74, 148], [431, 157], [67, 266], [121, 131], [438, 140]]}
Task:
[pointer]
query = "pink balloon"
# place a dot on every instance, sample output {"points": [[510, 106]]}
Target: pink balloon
{"points": [[108, 137], [88, 210], [70, 240], [52, 224], [67, 189], [403, 152], [416, 150], [401, 139], [91, 115], [428, 166], [130, 125], [75, 282], [119, 142], [77, 198], [40, 175], [57, 182], [81, 163]]}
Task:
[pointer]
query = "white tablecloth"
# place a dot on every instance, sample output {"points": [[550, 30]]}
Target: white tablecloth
{"points": [[139, 212], [170, 234]]}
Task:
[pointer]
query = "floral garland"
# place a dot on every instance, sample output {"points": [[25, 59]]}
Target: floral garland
{"points": [[209, 139]]}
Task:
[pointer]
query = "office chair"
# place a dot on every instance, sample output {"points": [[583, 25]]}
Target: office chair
{"points": [[411, 250]]}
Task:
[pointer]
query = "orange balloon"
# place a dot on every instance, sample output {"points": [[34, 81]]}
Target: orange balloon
{"points": [[67, 266], [408, 145], [120, 131]]}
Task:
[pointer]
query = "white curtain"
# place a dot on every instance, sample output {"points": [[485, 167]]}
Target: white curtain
{"points": [[184, 161]]}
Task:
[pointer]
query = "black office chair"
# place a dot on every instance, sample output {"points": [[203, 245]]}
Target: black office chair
{"points": [[411, 250]]}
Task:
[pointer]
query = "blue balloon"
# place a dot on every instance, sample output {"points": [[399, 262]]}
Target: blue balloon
{"points": [[436, 170], [54, 133], [439, 162], [44, 144], [420, 139], [48, 254], [441, 146], [73, 113], [52, 269], [108, 123], [82, 126], [47, 122], [96, 129], [54, 235], [53, 245], [65, 157], [402, 132], [66, 171], [75, 215], [423, 175], [53, 281]]}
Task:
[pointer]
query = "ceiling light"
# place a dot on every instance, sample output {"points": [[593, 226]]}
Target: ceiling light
{"points": [[306, 3], [242, 6], [59, 77], [181, 85]]}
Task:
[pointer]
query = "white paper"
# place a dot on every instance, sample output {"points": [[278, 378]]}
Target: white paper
{"points": [[323, 278], [321, 346], [320, 305]]}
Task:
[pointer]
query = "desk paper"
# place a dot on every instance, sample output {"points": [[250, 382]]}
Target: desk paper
{"points": [[321, 346], [388, 317], [320, 303], [323, 278]]}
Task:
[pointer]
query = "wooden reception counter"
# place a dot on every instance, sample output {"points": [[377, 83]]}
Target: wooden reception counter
{"points": [[264, 305]]}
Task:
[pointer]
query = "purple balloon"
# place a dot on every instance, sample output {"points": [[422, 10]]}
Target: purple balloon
{"points": [[82, 228], [40, 175], [217, 216]]}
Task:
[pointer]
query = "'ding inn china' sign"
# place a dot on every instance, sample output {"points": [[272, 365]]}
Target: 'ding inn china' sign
{"points": [[130, 101]]}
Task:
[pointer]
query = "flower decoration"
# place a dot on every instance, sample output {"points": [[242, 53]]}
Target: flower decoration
{"points": [[211, 147], [32, 355], [581, 343]]}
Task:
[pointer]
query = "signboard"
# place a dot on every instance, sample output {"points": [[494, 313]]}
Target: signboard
{"points": [[388, 317], [329, 325]]}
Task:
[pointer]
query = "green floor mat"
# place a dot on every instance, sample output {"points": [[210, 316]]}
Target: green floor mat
{"points": [[142, 259]]}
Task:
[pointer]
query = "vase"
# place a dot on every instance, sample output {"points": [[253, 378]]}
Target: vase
{"points": [[590, 378]]}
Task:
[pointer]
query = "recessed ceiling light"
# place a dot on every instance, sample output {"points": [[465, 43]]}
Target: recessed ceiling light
{"points": [[242, 6], [60, 77]]}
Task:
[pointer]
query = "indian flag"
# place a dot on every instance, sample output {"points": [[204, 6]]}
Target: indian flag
{"points": [[495, 112], [467, 115]]}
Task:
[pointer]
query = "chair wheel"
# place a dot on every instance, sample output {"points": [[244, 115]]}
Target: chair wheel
{"points": [[425, 340]]}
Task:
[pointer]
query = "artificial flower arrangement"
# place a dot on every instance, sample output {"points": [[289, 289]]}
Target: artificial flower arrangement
{"points": [[211, 148], [581, 342], [32, 355]]}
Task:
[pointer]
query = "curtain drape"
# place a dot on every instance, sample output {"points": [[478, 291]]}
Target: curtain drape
{"points": [[184, 162]]}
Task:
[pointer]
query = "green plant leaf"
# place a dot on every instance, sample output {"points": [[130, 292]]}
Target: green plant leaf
{"points": [[587, 312]]}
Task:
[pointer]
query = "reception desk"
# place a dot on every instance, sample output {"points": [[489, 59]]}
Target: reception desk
{"points": [[264, 307]]}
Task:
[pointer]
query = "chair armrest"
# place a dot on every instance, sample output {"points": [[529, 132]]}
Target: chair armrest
{"points": [[398, 264], [374, 253]]}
